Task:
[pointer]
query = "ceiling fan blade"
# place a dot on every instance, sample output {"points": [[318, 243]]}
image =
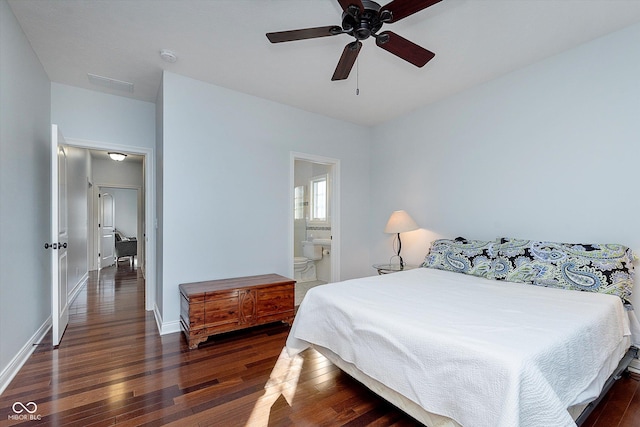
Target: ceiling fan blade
{"points": [[344, 4], [307, 33], [348, 58], [403, 48], [402, 8]]}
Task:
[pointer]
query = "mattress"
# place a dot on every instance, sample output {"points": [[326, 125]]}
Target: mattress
{"points": [[479, 352]]}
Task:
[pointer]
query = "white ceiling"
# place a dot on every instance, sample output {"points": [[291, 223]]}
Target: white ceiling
{"points": [[223, 42]]}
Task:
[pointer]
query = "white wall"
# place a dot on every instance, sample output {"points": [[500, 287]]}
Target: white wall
{"points": [[548, 152], [226, 184], [88, 115], [25, 133]]}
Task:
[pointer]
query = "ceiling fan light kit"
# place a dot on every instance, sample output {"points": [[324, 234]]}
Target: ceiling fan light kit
{"points": [[362, 19]]}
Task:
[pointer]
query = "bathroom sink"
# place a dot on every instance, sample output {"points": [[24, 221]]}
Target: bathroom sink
{"points": [[323, 242]]}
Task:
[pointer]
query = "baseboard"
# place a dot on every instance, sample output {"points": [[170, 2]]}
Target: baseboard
{"points": [[634, 366], [165, 328], [158, 317], [78, 287], [23, 355], [170, 327]]}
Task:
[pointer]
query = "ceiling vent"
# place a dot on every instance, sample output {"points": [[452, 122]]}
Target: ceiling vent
{"points": [[110, 83]]}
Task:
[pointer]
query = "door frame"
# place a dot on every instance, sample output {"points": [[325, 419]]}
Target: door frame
{"points": [[149, 170], [334, 207]]}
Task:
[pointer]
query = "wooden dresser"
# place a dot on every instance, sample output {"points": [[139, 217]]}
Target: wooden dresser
{"points": [[217, 306]]}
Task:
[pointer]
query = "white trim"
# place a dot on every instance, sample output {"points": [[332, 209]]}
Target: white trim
{"points": [[78, 287], [334, 175], [158, 316], [165, 328], [634, 366], [170, 327], [14, 366], [150, 206]]}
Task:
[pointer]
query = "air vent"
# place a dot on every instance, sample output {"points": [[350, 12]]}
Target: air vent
{"points": [[110, 83]]}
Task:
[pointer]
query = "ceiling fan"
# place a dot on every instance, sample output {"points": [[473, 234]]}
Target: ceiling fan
{"points": [[363, 19]]}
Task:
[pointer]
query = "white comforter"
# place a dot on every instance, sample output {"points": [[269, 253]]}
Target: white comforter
{"points": [[484, 353]]}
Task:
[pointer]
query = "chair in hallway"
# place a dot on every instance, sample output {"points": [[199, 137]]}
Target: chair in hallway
{"points": [[126, 247]]}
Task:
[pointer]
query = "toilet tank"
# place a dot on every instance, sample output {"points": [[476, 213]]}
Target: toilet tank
{"points": [[311, 251]]}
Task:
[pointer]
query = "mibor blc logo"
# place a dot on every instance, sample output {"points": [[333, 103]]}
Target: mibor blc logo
{"points": [[24, 412]]}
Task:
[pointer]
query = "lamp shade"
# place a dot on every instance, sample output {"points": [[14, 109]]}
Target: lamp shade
{"points": [[400, 222]]}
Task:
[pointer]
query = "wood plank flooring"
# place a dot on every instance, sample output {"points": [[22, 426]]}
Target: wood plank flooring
{"points": [[112, 367]]}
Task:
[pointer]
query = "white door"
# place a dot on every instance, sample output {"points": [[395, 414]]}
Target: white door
{"points": [[106, 224], [59, 235]]}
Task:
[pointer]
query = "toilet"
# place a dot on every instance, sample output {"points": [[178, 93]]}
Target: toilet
{"points": [[304, 267]]}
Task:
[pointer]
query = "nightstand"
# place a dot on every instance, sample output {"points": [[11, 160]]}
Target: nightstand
{"points": [[392, 268]]}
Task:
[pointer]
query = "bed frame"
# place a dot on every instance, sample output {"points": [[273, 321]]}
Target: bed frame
{"points": [[631, 354]]}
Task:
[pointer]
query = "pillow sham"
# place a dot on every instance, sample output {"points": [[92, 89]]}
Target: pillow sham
{"points": [[605, 268], [462, 256]]}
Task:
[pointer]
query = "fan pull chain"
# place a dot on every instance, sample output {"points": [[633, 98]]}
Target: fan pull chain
{"points": [[357, 77]]}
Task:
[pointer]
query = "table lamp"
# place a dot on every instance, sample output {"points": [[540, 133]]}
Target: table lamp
{"points": [[400, 222]]}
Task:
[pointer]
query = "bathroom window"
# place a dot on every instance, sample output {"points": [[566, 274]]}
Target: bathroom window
{"points": [[298, 202], [318, 187]]}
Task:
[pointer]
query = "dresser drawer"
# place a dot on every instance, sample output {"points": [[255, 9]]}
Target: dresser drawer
{"points": [[276, 299]]}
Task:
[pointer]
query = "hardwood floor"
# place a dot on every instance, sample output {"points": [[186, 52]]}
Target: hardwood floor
{"points": [[112, 367]]}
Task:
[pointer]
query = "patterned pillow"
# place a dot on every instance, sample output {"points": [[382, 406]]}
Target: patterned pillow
{"points": [[462, 256], [605, 268]]}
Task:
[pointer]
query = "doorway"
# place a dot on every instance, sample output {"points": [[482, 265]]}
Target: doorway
{"points": [[119, 221], [146, 209], [315, 236]]}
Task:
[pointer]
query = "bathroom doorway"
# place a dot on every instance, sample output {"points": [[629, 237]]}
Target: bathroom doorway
{"points": [[315, 224]]}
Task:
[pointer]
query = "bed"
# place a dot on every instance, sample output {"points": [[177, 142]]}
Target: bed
{"points": [[457, 349]]}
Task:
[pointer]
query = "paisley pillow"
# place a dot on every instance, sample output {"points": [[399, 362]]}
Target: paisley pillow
{"points": [[462, 256], [605, 268]]}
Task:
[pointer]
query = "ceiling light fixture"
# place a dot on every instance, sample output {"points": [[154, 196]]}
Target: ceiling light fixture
{"points": [[168, 56], [118, 157]]}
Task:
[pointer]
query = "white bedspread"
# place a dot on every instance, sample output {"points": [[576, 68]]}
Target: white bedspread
{"points": [[482, 352]]}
